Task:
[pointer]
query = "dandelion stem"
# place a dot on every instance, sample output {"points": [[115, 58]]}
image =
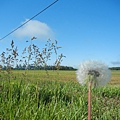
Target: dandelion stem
{"points": [[89, 100]]}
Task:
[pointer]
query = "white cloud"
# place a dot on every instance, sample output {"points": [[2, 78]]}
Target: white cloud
{"points": [[115, 62], [34, 28]]}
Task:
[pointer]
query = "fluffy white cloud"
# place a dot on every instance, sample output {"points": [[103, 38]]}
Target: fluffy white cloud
{"points": [[115, 62], [34, 28]]}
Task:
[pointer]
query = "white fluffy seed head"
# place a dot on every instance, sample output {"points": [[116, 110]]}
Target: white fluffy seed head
{"points": [[101, 68]]}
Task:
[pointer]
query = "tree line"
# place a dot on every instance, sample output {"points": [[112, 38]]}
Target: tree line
{"points": [[114, 68], [32, 67]]}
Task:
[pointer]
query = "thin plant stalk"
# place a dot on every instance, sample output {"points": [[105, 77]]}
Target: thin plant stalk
{"points": [[89, 100]]}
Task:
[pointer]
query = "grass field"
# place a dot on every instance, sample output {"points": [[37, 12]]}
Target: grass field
{"points": [[55, 95]]}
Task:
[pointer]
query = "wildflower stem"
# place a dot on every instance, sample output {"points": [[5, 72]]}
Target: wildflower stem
{"points": [[89, 100]]}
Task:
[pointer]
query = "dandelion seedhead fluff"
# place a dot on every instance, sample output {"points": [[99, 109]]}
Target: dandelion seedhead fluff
{"points": [[93, 71]]}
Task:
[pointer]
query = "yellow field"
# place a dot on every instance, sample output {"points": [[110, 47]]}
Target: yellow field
{"points": [[115, 79], [63, 76]]}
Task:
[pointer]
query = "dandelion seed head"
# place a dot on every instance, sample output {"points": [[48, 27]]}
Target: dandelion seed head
{"points": [[95, 68]]}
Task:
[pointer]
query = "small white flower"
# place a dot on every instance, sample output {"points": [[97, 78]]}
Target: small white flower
{"points": [[100, 72]]}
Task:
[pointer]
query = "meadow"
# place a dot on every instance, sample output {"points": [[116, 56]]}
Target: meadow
{"points": [[55, 95]]}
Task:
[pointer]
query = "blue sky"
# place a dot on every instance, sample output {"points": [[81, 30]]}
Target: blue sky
{"points": [[85, 29]]}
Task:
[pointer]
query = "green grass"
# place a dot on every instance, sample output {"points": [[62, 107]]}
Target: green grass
{"points": [[34, 95]]}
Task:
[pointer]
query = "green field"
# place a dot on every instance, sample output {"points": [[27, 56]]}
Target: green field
{"points": [[55, 95]]}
